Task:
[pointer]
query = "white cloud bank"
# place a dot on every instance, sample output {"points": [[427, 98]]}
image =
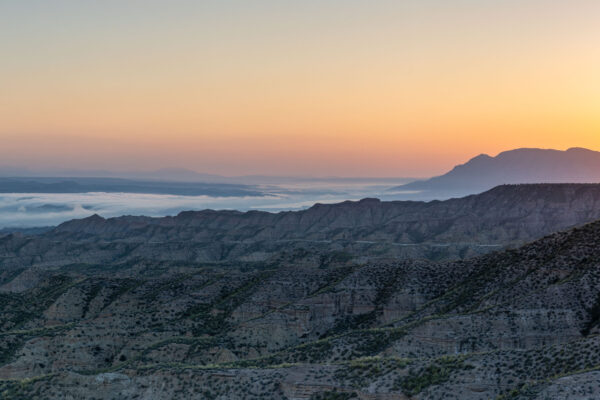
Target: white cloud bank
{"points": [[35, 209]]}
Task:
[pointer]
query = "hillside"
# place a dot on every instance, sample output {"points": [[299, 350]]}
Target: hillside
{"points": [[576, 165], [520, 323], [439, 230]]}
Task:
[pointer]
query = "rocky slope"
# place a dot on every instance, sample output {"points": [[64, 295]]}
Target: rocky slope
{"points": [[304, 324]]}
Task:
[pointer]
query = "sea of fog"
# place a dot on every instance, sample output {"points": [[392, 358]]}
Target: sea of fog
{"points": [[49, 209]]}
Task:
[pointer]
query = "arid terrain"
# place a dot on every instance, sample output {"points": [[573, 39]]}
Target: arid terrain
{"points": [[492, 296]]}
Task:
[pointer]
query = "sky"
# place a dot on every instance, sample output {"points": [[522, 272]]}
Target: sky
{"points": [[281, 87]]}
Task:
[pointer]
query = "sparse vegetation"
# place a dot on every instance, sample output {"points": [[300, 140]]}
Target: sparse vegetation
{"points": [[319, 321]]}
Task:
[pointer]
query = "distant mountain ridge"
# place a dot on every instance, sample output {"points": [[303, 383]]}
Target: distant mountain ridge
{"points": [[118, 185], [505, 215], [525, 165], [183, 175]]}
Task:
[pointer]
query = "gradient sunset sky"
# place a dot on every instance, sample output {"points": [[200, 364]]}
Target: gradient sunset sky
{"points": [[327, 87]]}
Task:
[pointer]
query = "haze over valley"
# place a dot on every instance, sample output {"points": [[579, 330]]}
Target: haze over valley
{"points": [[299, 200], [50, 201], [33, 201]]}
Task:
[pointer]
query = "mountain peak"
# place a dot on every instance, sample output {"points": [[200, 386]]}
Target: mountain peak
{"points": [[580, 150], [480, 158], [95, 217], [522, 165]]}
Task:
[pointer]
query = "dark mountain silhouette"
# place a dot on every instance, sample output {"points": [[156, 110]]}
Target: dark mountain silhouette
{"points": [[575, 165]]}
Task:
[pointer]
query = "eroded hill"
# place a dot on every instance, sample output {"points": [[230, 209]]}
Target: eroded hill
{"points": [[504, 217], [306, 324]]}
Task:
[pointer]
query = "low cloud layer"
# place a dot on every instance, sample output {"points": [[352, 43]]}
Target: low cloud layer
{"points": [[48, 209], [51, 209]]}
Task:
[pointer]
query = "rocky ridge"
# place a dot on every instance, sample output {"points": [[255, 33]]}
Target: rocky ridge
{"points": [[440, 230]]}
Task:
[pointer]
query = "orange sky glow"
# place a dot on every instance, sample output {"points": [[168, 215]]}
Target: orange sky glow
{"points": [[332, 87]]}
